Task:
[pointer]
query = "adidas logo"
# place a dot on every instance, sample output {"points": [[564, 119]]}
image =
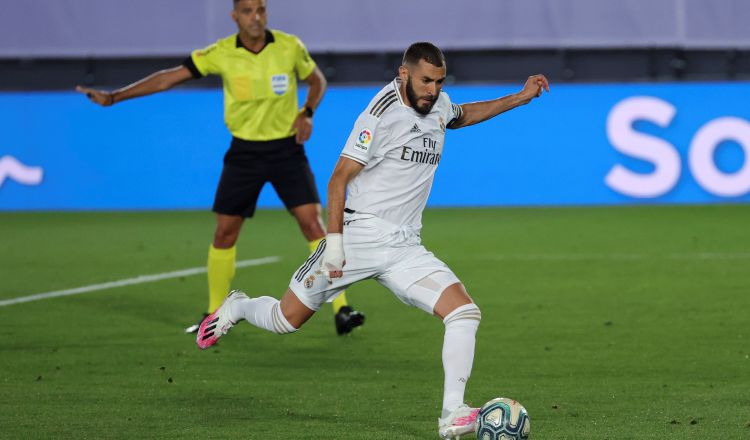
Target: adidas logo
{"points": [[415, 129]]}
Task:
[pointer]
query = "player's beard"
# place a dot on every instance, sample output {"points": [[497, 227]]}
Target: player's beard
{"points": [[414, 99]]}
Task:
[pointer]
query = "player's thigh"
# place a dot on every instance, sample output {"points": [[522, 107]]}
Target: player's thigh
{"points": [[239, 188], [313, 289], [293, 179], [419, 279]]}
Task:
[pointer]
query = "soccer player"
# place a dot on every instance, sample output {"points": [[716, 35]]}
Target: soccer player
{"points": [[376, 196], [259, 69]]}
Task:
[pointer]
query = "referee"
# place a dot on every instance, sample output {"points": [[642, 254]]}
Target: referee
{"points": [[259, 69]]}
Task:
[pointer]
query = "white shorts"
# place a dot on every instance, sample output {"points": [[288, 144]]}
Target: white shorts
{"points": [[377, 249]]}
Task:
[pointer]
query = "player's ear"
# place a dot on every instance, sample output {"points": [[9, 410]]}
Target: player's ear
{"points": [[403, 73], [233, 14]]}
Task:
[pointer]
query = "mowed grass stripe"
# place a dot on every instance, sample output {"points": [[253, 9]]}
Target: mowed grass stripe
{"points": [[131, 281], [606, 323], [610, 256]]}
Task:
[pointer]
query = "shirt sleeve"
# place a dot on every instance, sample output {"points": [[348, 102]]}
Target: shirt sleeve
{"points": [[303, 62], [205, 61], [188, 62], [365, 139], [454, 114]]}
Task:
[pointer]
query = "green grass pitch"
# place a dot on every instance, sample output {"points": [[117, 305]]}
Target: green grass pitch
{"points": [[606, 323]]}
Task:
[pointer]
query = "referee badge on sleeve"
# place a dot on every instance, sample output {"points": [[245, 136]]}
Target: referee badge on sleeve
{"points": [[280, 83]]}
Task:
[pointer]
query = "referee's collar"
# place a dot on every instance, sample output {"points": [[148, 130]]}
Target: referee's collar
{"points": [[269, 39]]}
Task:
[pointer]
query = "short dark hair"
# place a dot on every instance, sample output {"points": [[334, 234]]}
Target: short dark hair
{"points": [[424, 50], [234, 2]]}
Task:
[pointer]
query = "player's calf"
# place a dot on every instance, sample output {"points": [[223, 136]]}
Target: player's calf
{"points": [[458, 357], [263, 312]]}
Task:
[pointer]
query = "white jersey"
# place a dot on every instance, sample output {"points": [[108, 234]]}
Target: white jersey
{"points": [[400, 150]]}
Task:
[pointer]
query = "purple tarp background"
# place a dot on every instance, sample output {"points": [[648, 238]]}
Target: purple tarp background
{"points": [[74, 28]]}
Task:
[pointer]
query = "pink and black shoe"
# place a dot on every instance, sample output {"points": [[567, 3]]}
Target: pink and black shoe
{"points": [[218, 323]]}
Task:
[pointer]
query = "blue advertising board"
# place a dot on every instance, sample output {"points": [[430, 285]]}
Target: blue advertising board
{"points": [[579, 145]]}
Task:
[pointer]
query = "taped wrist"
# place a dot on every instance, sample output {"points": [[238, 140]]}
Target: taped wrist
{"points": [[334, 251]]}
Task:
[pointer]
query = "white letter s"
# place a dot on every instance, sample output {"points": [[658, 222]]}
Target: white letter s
{"points": [[626, 140]]}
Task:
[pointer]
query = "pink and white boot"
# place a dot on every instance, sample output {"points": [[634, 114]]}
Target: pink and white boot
{"points": [[218, 323], [460, 422]]}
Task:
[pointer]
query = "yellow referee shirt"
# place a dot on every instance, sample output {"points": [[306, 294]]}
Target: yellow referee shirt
{"points": [[260, 89]]}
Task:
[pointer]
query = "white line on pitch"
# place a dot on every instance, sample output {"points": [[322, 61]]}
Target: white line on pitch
{"points": [[131, 281]]}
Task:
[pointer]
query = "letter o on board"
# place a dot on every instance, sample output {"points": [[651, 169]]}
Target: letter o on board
{"points": [[701, 156]]}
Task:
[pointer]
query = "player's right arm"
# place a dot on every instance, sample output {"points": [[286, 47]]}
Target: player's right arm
{"points": [[346, 169], [154, 83], [364, 140], [333, 257]]}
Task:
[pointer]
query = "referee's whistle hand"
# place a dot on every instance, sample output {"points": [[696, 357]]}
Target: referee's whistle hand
{"points": [[303, 126], [96, 96]]}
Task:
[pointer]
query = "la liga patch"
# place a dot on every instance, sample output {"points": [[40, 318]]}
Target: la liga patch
{"points": [[364, 139]]}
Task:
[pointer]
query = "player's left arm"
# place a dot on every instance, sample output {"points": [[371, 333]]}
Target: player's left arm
{"points": [[476, 112], [317, 84]]}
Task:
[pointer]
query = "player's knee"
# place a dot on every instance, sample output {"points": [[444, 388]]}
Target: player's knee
{"points": [[225, 238], [309, 221], [468, 314], [311, 228], [285, 331], [281, 324]]}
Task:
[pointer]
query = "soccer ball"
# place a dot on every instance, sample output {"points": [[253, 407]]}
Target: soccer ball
{"points": [[503, 419]]}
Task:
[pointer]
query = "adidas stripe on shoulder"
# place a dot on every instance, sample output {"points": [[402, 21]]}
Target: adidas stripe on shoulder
{"points": [[383, 103]]}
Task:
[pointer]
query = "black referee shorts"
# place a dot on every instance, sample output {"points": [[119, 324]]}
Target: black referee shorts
{"points": [[248, 165]]}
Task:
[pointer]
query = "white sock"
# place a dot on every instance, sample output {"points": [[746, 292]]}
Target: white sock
{"points": [[458, 353], [263, 312]]}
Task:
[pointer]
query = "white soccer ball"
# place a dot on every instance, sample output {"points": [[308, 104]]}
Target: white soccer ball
{"points": [[503, 419]]}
